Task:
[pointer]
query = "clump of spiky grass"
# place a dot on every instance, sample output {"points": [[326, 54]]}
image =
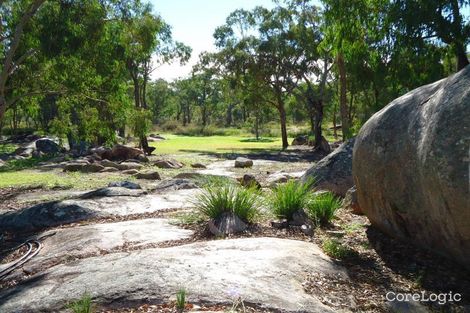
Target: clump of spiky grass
{"points": [[181, 300], [335, 249], [82, 305], [321, 208], [242, 202], [289, 198]]}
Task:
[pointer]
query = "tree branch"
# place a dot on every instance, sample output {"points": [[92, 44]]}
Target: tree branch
{"points": [[7, 64]]}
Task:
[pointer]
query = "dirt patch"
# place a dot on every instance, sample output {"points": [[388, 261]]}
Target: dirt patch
{"points": [[190, 307], [380, 264]]}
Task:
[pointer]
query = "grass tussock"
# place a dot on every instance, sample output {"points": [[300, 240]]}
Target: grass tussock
{"points": [[289, 198], [335, 249], [82, 305], [215, 201], [181, 300], [321, 208]]}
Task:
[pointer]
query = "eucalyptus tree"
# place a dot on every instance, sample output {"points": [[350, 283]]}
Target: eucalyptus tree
{"points": [[147, 42], [434, 20], [258, 43], [14, 18], [315, 64]]}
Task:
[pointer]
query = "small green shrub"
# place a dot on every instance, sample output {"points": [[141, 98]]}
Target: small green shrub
{"points": [[181, 299], [289, 198], [82, 305], [196, 130], [170, 125], [335, 249], [321, 208], [214, 201]]}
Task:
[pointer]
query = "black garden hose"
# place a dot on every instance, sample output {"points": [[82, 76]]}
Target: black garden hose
{"points": [[26, 257]]}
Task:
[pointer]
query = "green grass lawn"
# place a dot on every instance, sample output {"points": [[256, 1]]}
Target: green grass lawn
{"points": [[56, 179], [176, 144]]}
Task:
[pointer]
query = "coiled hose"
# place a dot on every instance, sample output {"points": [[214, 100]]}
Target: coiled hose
{"points": [[31, 253]]}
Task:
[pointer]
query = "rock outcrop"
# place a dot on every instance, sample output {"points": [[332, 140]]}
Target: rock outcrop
{"points": [[119, 153], [47, 146], [411, 167], [171, 164], [333, 172], [243, 163]]}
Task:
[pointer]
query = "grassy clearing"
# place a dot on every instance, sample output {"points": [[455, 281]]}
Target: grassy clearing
{"points": [[176, 144], [55, 179]]}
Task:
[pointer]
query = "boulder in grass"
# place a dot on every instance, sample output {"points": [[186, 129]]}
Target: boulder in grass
{"points": [[243, 163], [91, 168], [150, 175], [299, 218], [124, 166], [249, 181], [411, 167], [142, 158], [278, 178], [175, 184], [2, 163], [169, 164], [198, 165], [227, 224], [76, 166], [107, 163], [83, 167], [47, 146], [130, 172], [120, 153], [300, 141], [109, 170]]}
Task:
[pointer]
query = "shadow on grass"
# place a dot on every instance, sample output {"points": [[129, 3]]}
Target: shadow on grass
{"points": [[257, 140], [263, 154], [24, 164]]}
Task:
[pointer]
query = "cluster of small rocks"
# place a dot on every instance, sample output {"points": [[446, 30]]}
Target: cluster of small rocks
{"points": [[33, 146]]}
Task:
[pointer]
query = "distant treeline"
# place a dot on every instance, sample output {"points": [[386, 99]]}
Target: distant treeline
{"points": [[81, 69]]}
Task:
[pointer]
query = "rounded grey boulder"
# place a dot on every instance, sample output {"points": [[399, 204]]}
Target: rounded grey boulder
{"points": [[333, 172], [411, 167]]}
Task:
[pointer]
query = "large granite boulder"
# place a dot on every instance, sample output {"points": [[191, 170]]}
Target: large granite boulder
{"points": [[83, 167], [333, 172], [411, 167], [120, 153], [45, 215], [47, 146]]}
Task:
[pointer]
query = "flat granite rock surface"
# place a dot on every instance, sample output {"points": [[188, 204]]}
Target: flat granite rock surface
{"points": [[81, 241], [265, 271]]}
